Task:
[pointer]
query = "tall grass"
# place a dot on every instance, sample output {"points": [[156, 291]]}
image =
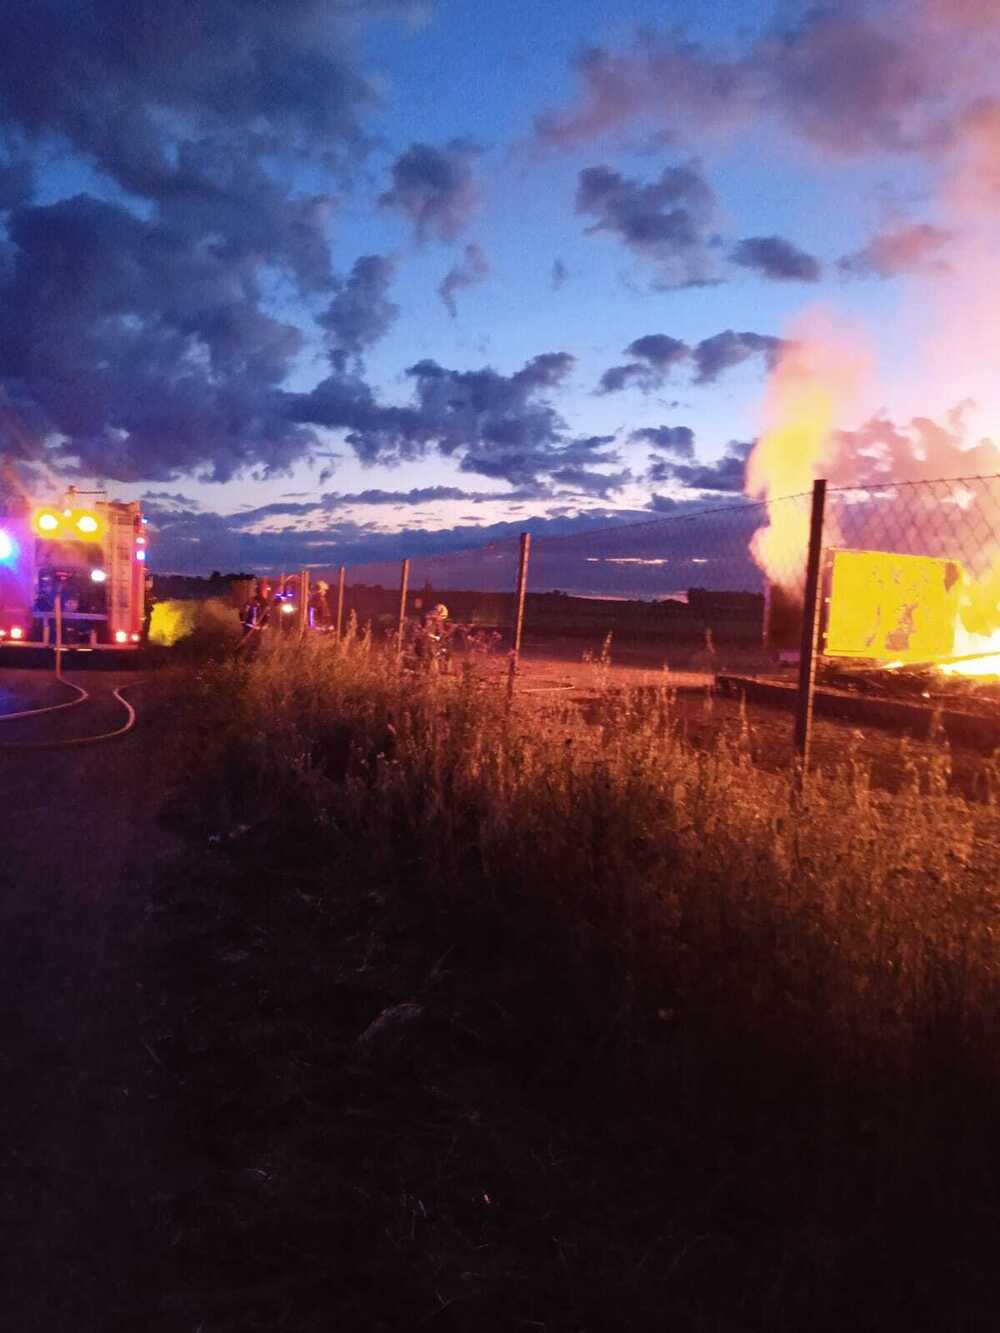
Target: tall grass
{"points": [[678, 899]]}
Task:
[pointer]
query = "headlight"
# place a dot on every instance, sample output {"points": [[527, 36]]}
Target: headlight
{"points": [[98, 576], [46, 521], [287, 608]]}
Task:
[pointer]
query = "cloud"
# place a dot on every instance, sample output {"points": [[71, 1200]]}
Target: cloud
{"points": [[498, 425], [850, 80], [149, 355], [284, 76], [17, 183], [665, 222], [724, 475], [434, 188], [775, 258], [473, 268], [360, 313], [139, 333], [883, 451], [198, 542], [913, 248], [656, 355], [678, 440], [584, 481], [714, 355], [559, 274]]}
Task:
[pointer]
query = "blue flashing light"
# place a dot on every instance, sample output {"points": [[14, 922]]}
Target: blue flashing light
{"points": [[8, 547], [140, 555]]}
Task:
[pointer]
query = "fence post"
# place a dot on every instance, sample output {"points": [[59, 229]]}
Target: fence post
{"points": [[303, 602], [522, 588], [404, 580], [58, 611], [810, 628], [340, 602]]}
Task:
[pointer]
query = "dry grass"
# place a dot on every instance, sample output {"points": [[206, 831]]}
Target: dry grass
{"points": [[841, 920], [655, 963]]}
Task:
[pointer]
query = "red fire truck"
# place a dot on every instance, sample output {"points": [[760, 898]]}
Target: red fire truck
{"points": [[73, 570]]}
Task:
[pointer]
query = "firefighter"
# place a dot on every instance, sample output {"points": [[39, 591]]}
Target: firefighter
{"points": [[436, 621], [257, 610], [319, 606], [432, 643]]}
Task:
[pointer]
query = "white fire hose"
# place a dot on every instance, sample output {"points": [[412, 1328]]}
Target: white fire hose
{"points": [[82, 696]]}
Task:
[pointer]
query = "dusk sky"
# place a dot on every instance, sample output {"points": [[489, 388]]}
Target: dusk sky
{"points": [[327, 281]]}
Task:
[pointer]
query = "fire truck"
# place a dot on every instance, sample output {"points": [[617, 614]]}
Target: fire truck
{"points": [[72, 574]]}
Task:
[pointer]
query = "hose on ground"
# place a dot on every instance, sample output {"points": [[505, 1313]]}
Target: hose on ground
{"points": [[73, 742]]}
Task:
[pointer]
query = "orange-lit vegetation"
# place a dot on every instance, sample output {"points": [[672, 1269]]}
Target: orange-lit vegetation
{"points": [[654, 998], [624, 823]]}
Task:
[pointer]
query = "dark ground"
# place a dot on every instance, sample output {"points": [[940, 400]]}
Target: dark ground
{"points": [[193, 1139], [82, 1136]]}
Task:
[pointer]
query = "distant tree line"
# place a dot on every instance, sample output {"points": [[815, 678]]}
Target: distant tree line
{"points": [[188, 587]]}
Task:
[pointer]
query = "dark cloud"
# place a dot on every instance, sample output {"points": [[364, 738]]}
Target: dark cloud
{"points": [[714, 355], [659, 351], [677, 440], [151, 356], [848, 79], [128, 81], [434, 188], [725, 474], [17, 183], [331, 501], [666, 222], [140, 341], [498, 425], [585, 481], [558, 275], [617, 378], [360, 313], [473, 268], [916, 248], [656, 355], [775, 258]]}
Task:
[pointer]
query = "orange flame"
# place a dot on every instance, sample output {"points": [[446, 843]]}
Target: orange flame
{"points": [[816, 377]]}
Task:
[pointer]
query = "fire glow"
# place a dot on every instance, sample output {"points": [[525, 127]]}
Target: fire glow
{"points": [[811, 388]]}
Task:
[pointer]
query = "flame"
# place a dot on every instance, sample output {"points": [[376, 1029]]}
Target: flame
{"points": [[977, 633], [817, 374]]}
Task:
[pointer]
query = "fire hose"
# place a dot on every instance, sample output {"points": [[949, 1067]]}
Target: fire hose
{"points": [[71, 743], [82, 697]]}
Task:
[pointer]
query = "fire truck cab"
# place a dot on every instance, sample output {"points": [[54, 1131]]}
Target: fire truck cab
{"points": [[76, 567]]}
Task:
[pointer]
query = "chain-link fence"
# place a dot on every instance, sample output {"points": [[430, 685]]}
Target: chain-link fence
{"points": [[906, 589]]}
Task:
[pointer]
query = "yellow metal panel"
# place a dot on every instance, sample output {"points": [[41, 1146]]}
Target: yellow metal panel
{"points": [[893, 608]]}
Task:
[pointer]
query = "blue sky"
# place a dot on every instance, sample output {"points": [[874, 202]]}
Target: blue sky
{"points": [[184, 207]]}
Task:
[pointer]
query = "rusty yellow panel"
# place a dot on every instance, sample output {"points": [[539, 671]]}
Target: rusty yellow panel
{"points": [[893, 608]]}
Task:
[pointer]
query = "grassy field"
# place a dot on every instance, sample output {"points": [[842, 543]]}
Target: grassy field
{"points": [[493, 1019]]}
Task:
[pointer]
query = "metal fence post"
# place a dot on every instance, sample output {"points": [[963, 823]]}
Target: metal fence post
{"points": [[58, 611], [522, 588], [810, 628], [303, 602], [340, 602], [404, 580]]}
